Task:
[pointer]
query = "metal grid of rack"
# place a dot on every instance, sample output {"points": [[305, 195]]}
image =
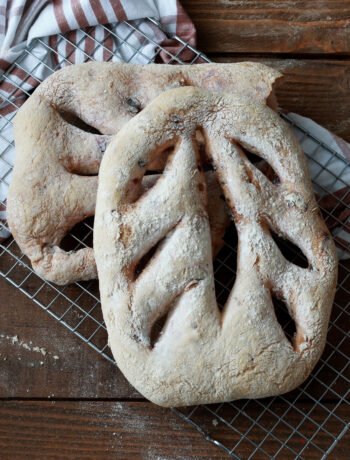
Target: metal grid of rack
{"points": [[241, 428]]}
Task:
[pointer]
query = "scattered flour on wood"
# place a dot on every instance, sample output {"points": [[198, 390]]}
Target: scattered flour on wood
{"points": [[116, 407], [14, 340]]}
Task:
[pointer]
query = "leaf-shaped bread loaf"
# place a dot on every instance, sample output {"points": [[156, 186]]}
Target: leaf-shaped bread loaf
{"points": [[204, 355]]}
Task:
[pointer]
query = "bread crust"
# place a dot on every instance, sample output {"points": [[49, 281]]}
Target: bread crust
{"points": [[204, 355], [54, 182]]}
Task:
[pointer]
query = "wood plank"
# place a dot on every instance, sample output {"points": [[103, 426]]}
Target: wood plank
{"points": [[98, 430], [101, 430], [318, 89], [68, 369], [262, 26]]}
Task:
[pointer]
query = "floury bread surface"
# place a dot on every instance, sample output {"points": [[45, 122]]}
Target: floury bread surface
{"points": [[62, 131], [204, 355]]}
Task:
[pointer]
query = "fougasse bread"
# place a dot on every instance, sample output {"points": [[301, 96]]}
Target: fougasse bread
{"points": [[202, 354]]}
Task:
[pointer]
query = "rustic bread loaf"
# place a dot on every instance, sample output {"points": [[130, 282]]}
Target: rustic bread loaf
{"points": [[204, 355]]}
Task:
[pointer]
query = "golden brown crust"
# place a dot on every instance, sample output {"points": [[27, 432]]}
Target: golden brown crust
{"points": [[53, 184], [204, 355]]}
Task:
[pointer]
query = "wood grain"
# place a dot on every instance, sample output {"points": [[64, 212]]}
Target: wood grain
{"points": [[318, 89], [69, 368], [98, 430], [101, 430], [263, 26]]}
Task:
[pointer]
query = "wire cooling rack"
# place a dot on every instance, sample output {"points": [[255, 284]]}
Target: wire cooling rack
{"points": [[306, 423]]}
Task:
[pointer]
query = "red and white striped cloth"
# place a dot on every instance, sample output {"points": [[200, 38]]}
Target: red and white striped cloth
{"points": [[21, 21]]}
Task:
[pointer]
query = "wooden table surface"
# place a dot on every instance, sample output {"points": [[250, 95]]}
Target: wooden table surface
{"points": [[59, 398]]}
